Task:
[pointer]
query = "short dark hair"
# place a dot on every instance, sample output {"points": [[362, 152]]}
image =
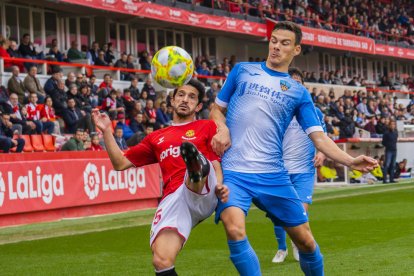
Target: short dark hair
{"points": [[197, 85], [296, 71], [290, 26]]}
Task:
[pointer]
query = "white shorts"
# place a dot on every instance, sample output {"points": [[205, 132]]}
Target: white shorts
{"points": [[184, 209]]}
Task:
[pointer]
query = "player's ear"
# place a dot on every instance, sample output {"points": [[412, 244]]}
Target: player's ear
{"points": [[297, 50], [199, 107]]}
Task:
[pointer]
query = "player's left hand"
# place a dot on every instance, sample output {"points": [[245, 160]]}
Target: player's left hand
{"points": [[319, 159], [364, 163], [222, 192]]}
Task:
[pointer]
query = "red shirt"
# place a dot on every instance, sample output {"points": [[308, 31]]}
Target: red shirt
{"points": [[48, 113], [33, 111], [163, 146]]}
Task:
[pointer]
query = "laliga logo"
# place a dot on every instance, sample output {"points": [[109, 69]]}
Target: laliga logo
{"points": [[91, 181], [114, 181], [2, 189]]}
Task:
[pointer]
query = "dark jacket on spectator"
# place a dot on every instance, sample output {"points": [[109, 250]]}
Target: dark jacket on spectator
{"points": [[71, 118], [389, 140], [134, 92], [135, 126], [59, 98], [50, 85], [26, 50]]}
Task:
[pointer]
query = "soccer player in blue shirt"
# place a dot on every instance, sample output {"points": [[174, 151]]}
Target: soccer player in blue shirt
{"points": [[255, 107], [300, 162]]}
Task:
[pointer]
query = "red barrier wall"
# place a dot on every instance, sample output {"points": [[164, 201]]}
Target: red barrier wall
{"points": [[38, 187]]}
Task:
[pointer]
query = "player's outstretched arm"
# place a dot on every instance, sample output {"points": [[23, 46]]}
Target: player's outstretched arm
{"points": [[118, 160], [324, 144], [222, 191], [221, 141], [319, 159]]}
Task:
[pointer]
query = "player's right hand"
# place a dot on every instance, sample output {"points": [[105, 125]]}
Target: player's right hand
{"points": [[222, 192], [101, 120], [364, 164], [221, 141]]}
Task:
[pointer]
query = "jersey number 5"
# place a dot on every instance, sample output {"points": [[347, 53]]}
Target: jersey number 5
{"points": [[157, 217]]}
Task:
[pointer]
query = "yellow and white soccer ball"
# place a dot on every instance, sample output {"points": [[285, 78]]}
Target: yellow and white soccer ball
{"points": [[172, 67]]}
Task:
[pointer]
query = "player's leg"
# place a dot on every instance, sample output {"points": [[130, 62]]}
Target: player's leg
{"points": [[165, 249], [233, 214], [310, 257], [197, 165], [282, 251]]}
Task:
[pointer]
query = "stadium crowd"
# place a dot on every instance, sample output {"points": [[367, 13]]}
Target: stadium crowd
{"points": [[387, 20]]}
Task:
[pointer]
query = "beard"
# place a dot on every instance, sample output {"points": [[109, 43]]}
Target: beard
{"points": [[182, 114]]}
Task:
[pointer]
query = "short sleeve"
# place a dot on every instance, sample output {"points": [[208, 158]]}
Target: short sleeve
{"points": [[306, 114], [229, 87], [321, 119], [142, 154]]}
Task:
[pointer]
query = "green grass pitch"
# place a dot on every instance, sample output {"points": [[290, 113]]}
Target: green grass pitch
{"points": [[367, 230]]}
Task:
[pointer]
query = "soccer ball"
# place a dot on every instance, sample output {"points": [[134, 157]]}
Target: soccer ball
{"points": [[172, 67]]}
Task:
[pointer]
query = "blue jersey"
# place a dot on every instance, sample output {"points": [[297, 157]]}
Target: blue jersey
{"points": [[298, 148], [260, 105]]}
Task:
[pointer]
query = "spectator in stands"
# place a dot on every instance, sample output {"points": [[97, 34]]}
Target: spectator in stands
{"points": [[59, 98], [110, 105], [226, 70], [139, 136], [134, 89], [47, 114], [8, 64], [84, 96], [109, 53], [93, 52], [95, 145], [93, 86], [136, 124], [32, 84], [81, 80], [320, 103], [161, 117], [75, 143], [70, 79], [6, 135], [128, 101], [152, 95], [28, 50], [346, 125], [75, 118], [100, 60], [362, 106], [219, 71], [122, 63], [17, 119], [120, 141], [16, 85], [137, 110], [370, 126], [126, 130], [104, 88], [54, 52], [381, 127], [143, 61], [74, 53], [203, 70], [13, 50], [150, 113], [33, 114], [52, 83], [389, 140]]}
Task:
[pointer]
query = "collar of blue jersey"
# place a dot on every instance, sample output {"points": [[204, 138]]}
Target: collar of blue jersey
{"points": [[273, 72]]}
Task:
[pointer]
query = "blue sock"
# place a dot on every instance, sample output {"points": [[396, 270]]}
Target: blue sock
{"points": [[244, 258], [280, 237], [312, 263]]}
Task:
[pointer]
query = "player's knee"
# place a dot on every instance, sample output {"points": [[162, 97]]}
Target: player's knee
{"points": [[161, 262], [306, 245], [235, 232]]}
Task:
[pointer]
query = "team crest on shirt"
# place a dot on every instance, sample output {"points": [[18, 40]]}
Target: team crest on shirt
{"points": [[189, 135], [284, 85]]}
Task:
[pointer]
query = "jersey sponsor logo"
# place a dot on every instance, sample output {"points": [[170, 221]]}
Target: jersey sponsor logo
{"points": [[267, 93], [31, 186], [171, 151], [284, 85], [160, 140], [189, 135]]}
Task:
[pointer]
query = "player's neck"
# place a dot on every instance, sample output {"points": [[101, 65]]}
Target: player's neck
{"points": [[279, 67], [177, 120]]}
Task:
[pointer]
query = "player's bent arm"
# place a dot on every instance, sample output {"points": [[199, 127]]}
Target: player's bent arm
{"points": [[118, 160], [217, 114], [328, 147], [219, 171]]}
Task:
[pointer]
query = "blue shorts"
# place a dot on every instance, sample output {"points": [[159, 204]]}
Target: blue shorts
{"points": [[271, 192], [303, 184]]}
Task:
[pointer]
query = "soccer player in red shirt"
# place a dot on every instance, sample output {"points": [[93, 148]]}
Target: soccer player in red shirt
{"points": [[184, 153]]}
